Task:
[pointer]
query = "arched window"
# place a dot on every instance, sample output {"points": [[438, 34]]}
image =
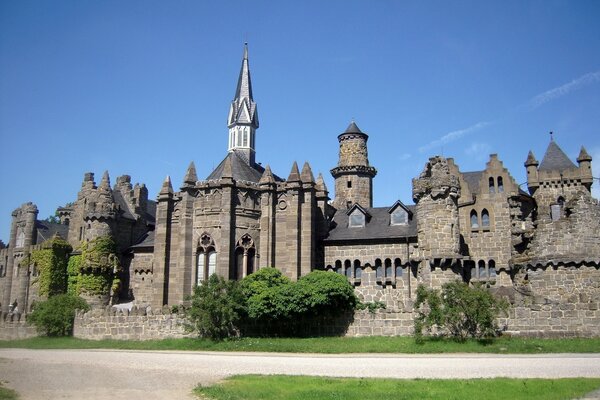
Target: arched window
{"points": [[244, 255], [481, 271], [238, 269], [492, 268], [474, 220], [398, 266], [206, 258], [378, 269], [500, 185], [491, 185], [338, 267], [485, 218], [200, 268], [388, 268], [348, 269], [357, 269]]}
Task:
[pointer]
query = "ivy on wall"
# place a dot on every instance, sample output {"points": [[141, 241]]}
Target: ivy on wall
{"points": [[51, 261], [73, 268], [96, 267]]}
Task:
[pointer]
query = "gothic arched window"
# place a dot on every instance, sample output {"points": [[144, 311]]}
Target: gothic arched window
{"points": [[491, 185], [500, 185], [474, 220], [485, 218], [206, 258]]}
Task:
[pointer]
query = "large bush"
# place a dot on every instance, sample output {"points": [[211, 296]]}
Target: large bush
{"points": [[458, 310], [55, 316], [216, 308], [274, 299]]}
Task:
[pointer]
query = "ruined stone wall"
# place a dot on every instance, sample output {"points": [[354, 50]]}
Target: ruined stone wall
{"points": [[575, 236]]}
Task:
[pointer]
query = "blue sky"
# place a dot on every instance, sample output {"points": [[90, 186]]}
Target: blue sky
{"points": [[143, 87]]}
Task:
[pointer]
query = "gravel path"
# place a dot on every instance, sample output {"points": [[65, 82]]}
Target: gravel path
{"points": [[166, 375]]}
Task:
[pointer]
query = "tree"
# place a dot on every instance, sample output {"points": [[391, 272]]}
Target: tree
{"points": [[55, 316], [459, 311]]}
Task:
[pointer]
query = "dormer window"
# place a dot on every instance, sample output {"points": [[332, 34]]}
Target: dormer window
{"points": [[399, 214], [399, 217], [356, 219]]}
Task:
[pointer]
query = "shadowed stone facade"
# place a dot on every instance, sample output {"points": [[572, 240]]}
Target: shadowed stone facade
{"points": [[540, 249]]}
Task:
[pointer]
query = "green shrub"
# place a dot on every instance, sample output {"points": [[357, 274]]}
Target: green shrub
{"points": [[54, 317], [280, 305], [216, 308], [459, 311], [324, 293]]}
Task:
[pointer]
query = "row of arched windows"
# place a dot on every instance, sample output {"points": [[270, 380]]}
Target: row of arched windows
{"points": [[481, 270], [492, 185], [206, 258], [485, 219], [385, 270]]}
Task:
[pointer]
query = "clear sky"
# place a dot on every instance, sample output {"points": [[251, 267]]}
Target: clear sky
{"points": [[143, 87]]}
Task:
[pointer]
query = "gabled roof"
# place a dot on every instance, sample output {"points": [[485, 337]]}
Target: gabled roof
{"points": [[397, 204], [144, 242], [240, 169], [555, 159], [376, 228], [358, 207]]}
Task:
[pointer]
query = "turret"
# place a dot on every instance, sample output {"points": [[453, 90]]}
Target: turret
{"points": [[436, 192], [531, 164], [585, 167], [353, 174], [243, 115]]}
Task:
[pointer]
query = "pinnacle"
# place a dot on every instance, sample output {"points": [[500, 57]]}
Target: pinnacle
{"points": [[307, 175], [294, 174], [166, 186], [320, 184], [105, 183], [267, 176], [190, 176], [227, 169]]}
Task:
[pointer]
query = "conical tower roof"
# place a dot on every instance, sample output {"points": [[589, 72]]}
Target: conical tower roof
{"points": [[555, 159]]}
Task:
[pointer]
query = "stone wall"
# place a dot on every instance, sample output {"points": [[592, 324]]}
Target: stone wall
{"points": [[14, 330], [123, 325]]}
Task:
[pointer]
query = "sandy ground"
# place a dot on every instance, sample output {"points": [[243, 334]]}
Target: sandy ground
{"points": [[166, 375]]}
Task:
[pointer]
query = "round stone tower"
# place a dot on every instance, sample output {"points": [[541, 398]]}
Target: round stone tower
{"points": [[353, 174]]}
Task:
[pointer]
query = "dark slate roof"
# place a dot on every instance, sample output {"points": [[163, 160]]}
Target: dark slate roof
{"points": [[146, 241], [240, 169], [473, 178], [122, 203], [376, 227], [555, 159], [353, 128], [151, 214], [45, 230]]}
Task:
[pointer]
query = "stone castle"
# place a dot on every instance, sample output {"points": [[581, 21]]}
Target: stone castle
{"points": [[539, 248]]}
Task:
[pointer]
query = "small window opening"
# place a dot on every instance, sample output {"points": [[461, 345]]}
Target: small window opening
{"points": [[491, 185], [349, 183], [500, 185]]}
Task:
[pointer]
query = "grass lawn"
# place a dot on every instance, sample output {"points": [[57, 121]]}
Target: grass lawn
{"points": [[250, 387], [7, 394], [329, 345]]}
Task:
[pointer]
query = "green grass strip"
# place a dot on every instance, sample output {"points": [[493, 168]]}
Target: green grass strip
{"points": [[325, 345], [7, 394], [251, 387]]}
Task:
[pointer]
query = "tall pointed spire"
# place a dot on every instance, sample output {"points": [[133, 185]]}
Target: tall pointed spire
{"points": [[190, 176], [243, 115]]}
